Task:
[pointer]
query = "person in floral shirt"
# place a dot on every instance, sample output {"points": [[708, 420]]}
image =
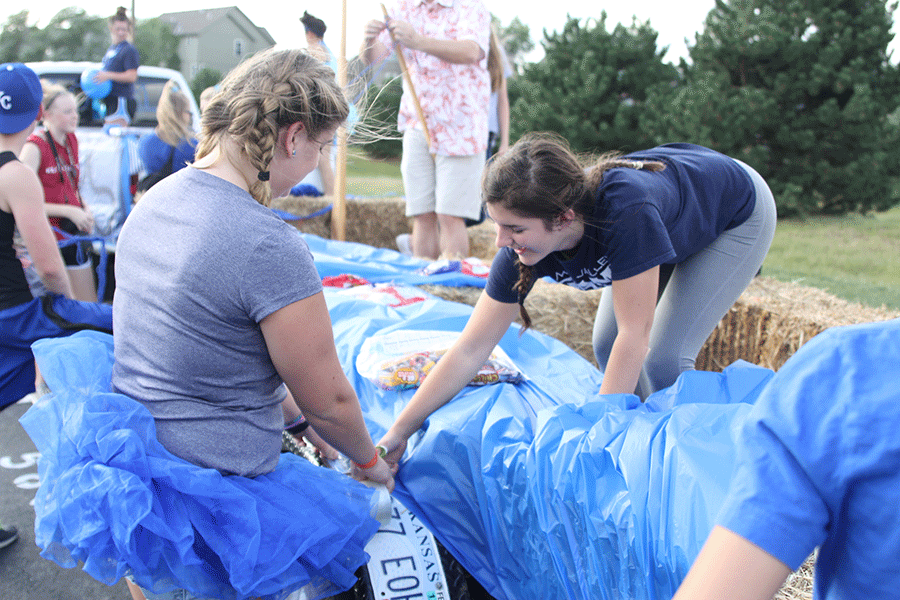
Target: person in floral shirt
{"points": [[444, 45]]}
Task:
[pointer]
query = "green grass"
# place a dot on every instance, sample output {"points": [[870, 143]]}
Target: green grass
{"points": [[854, 257], [369, 177]]}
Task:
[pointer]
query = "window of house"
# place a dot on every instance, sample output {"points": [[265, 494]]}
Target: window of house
{"points": [[239, 48]]}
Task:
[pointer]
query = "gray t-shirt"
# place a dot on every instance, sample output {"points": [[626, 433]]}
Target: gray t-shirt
{"points": [[199, 264]]}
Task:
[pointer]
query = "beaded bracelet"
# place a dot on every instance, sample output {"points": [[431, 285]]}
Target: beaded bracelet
{"points": [[297, 426]]}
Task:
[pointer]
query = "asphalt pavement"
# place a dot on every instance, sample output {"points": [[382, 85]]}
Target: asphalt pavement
{"points": [[24, 574]]}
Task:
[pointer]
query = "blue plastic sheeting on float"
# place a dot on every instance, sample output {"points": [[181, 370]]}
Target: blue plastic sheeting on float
{"points": [[542, 490], [379, 265], [114, 498]]}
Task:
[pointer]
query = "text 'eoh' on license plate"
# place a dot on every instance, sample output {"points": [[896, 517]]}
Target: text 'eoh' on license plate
{"points": [[405, 564]]}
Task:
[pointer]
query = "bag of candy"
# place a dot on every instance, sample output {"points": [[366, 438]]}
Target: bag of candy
{"points": [[402, 359]]}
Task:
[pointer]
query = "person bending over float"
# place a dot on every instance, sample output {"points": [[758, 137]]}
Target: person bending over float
{"points": [[674, 234]]}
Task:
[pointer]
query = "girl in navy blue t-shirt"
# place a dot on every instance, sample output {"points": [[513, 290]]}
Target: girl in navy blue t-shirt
{"points": [[674, 233], [120, 64]]}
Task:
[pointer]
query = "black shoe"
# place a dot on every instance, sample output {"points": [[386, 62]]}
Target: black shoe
{"points": [[8, 536]]}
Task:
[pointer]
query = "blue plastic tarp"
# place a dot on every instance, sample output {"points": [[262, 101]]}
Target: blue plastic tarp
{"points": [[379, 265], [542, 489]]}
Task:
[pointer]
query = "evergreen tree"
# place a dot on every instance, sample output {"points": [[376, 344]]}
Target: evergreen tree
{"points": [[591, 85], [800, 90], [379, 137]]}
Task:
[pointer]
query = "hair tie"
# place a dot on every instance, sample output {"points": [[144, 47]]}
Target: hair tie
{"points": [[263, 175]]}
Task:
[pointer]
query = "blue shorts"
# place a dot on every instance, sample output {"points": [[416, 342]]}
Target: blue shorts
{"points": [[49, 316]]}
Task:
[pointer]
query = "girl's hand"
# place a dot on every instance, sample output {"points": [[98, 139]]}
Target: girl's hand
{"points": [[394, 447], [323, 447], [381, 473], [373, 28], [82, 219], [101, 76]]}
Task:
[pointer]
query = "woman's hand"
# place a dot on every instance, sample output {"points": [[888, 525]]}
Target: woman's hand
{"points": [[83, 219], [394, 446], [102, 76], [324, 448], [380, 472], [372, 29], [405, 34]]}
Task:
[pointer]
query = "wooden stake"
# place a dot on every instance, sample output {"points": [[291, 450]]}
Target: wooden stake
{"points": [[409, 82], [339, 202]]}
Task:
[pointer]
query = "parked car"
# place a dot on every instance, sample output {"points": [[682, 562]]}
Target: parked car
{"points": [[110, 165]]}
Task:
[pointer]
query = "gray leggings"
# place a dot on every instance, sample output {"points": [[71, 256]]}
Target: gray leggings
{"points": [[698, 294]]}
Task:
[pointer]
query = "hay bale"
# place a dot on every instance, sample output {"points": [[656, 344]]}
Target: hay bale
{"points": [[772, 319], [799, 584], [767, 324], [372, 221]]}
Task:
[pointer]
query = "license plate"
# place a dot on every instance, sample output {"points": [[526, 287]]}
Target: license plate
{"points": [[405, 563]]}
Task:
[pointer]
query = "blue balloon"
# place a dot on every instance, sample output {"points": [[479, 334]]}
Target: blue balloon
{"points": [[93, 89]]}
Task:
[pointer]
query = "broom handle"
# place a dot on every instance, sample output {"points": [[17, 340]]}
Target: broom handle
{"points": [[409, 82]]}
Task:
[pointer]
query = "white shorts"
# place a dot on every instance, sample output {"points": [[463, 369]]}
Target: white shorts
{"points": [[446, 185]]}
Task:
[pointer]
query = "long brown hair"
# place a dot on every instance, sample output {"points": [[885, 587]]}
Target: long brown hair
{"points": [[540, 177], [269, 91]]}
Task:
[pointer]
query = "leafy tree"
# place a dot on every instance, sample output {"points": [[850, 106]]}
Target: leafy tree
{"points": [[72, 34], [591, 85], [19, 41], [157, 45], [800, 90], [204, 78]]}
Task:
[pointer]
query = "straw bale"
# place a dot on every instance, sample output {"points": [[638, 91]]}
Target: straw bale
{"points": [[767, 324], [799, 584], [772, 319], [372, 221]]}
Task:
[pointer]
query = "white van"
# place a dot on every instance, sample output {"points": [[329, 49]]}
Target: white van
{"points": [[110, 165]]}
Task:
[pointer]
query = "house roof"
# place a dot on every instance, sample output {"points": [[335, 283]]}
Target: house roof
{"points": [[193, 22]]}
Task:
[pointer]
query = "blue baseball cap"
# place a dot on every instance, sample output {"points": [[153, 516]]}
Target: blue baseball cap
{"points": [[20, 97]]}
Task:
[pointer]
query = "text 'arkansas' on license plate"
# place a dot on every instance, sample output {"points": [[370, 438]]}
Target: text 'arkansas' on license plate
{"points": [[405, 563]]}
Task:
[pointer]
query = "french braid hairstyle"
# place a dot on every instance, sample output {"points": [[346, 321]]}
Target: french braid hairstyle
{"points": [[540, 177], [271, 90], [173, 103]]}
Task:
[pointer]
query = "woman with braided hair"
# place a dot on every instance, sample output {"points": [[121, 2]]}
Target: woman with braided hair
{"points": [[674, 234], [226, 342]]}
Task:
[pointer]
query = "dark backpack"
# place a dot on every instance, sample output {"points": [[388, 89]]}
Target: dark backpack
{"points": [[155, 177]]}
